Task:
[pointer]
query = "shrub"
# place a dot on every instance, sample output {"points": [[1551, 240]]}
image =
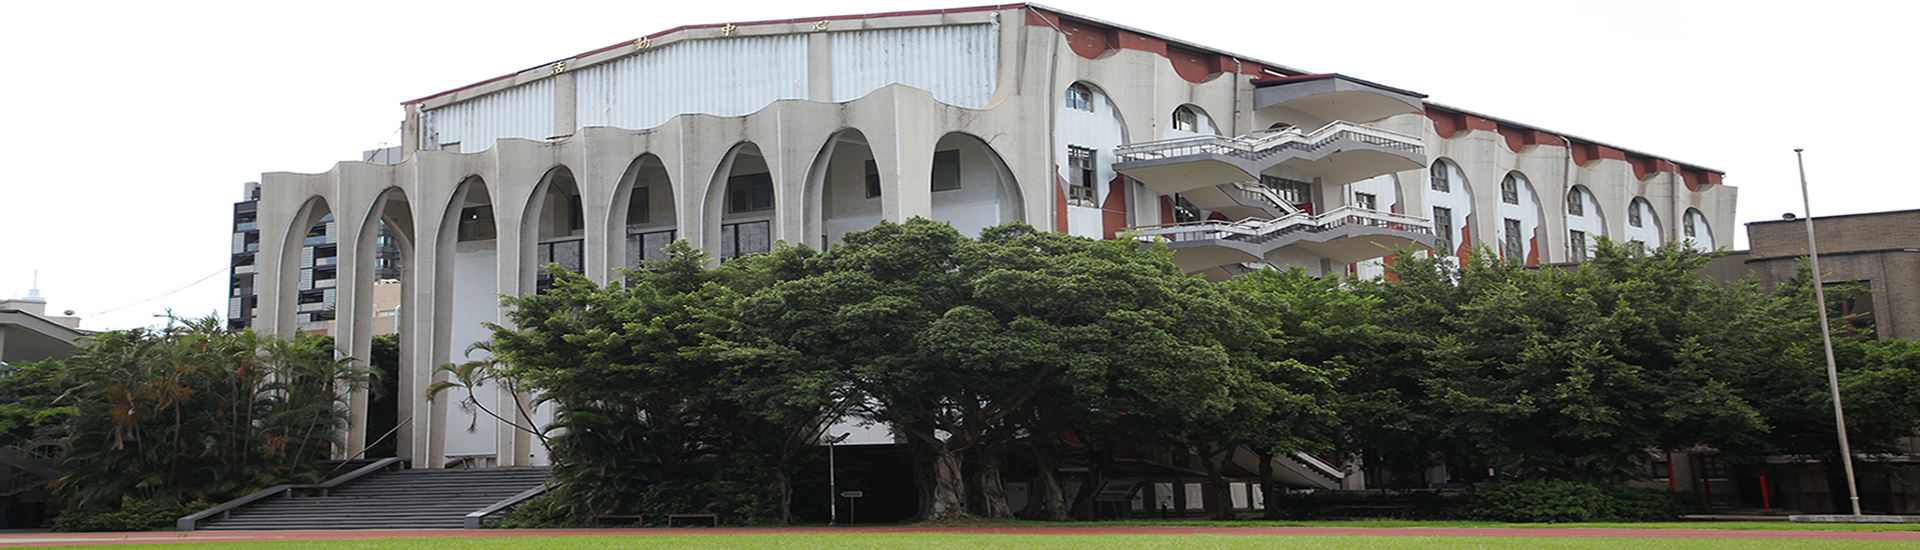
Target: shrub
{"points": [[140, 515], [1568, 501], [539, 512]]}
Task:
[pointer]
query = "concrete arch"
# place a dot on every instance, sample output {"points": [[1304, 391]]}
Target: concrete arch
{"points": [[844, 189], [298, 305], [467, 280], [1450, 202], [1587, 217], [1522, 220], [389, 216], [742, 204], [1694, 228], [1643, 224], [986, 194], [558, 221], [1091, 200], [644, 217]]}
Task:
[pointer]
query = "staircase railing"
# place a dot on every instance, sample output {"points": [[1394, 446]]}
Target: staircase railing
{"points": [[225, 509], [1255, 227], [1259, 145], [473, 520]]}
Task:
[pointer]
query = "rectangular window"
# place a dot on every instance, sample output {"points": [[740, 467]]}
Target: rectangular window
{"points": [[740, 239], [946, 170], [1510, 249], [1662, 469], [1576, 204], [1856, 306], [1295, 193], [873, 179], [1578, 241], [750, 192], [476, 223], [1366, 201], [1443, 230], [1081, 190]]}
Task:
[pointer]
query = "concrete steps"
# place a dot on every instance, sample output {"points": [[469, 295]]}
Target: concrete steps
{"points": [[403, 499]]}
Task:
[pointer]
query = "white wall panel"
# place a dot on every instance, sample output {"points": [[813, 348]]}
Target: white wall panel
{"points": [[525, 111], [957, 63], [725, 77]]}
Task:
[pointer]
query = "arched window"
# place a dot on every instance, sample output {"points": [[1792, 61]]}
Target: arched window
{"points": [[1510, 190], [1576, 203], [1635, 217], [1438, 180], [1185, 120], [1079, 98]]}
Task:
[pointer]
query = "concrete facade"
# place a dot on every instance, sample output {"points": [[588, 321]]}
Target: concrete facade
{"points": [[973, 116]]}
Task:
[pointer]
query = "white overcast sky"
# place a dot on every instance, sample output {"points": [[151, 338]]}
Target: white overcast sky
{"points": [[127, 128]]}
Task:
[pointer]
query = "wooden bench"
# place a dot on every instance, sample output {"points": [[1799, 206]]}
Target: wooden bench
{"points": [[679, 520]]}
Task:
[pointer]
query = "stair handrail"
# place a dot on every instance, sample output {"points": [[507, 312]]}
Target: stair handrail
{"points": [[1254, 143], [189, 523], [473, 519], [363, 471]]}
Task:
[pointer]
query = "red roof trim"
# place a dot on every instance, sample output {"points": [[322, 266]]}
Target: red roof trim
{"points": [[741, 23]]}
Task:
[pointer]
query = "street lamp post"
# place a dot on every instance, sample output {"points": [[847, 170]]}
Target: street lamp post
{"points": [[833, 482], [1826, 337]]}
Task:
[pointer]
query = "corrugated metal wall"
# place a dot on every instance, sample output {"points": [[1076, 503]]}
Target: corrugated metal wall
{"points": [[726, 77], [957, 63], [521, 112]]}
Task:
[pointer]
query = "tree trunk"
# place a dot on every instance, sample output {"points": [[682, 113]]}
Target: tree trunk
{"points": [[784, 484], [949, 487], [992, 489], [1214, 463], [1267, 493], [1052, 496]]}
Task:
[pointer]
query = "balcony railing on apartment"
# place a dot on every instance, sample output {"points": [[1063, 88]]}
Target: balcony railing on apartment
{"points": [[1261, 145]]}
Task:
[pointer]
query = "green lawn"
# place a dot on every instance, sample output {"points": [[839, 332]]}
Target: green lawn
{"points": [[1062, 542], [1738, 525]]}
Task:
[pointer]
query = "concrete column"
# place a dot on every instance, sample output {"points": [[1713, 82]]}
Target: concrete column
{"points": [[565, 104], [820, 67]]}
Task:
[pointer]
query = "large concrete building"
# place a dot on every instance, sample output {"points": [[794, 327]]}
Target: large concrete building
{"points": [[736, 135]]}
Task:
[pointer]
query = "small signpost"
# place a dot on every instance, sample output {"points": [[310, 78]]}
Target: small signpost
{"points": [[850, 495]]}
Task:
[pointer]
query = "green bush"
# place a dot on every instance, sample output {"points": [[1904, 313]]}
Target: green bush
{"points": [[131, 516], [1568, 501]]}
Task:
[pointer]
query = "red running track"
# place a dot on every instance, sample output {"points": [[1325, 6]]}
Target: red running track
{"points": [[79, 539]]}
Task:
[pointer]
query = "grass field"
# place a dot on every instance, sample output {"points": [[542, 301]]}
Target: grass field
{"points": [[1061, 542]]}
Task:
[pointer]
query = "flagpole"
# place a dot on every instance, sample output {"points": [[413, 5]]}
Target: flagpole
{"points": [[1826, 337]]}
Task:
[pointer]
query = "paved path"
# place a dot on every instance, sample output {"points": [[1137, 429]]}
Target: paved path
{"points": [[72, 539]]}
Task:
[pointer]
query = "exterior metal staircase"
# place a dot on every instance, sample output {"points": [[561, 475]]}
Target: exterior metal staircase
{"points": [[383, 498], [1346, 234], [1340, 151], [23, 469]]}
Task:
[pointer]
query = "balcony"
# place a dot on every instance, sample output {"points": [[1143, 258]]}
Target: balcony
{"points": [[1313, 100], [1338, 153], [1344, 235]]}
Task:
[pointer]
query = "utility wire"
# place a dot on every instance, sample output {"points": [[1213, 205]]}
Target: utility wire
{"points": [[168, 293]]}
